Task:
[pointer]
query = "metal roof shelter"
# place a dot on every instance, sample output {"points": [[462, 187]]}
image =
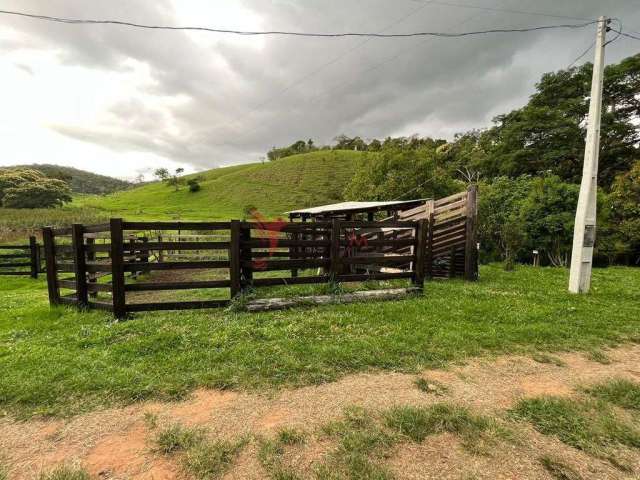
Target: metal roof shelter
{"points": [[350, 209]]}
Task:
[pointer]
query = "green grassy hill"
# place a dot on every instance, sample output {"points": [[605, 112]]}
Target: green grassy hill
{"points": [[273, 187]]}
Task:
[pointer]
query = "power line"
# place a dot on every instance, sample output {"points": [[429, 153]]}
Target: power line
{"points": [[581, 55], [75, 21], [503, 10]]}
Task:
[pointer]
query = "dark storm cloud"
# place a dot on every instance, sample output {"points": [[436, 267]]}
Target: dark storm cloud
{"points": [[240, 99]]}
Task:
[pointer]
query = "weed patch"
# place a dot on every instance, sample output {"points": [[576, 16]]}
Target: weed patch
{"points": [[65, 473], [430, 386], [548, 359], [588, 426], [558, 469], [211, 459], [176, 438], [620, 392]]}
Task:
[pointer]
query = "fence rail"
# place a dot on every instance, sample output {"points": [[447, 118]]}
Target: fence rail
{"points": [[95, 264], [20, 259]]}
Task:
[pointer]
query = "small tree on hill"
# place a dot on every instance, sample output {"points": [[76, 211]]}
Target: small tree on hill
{"points": [[27, 188]]}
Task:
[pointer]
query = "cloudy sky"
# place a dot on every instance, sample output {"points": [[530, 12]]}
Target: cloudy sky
{"points": [[121, 101]]}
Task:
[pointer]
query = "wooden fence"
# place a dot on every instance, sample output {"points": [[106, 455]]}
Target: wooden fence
{"points": [[99, 265], [20, 259]]}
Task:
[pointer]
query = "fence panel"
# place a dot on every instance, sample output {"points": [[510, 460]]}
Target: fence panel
{"points": [[19, 260]]}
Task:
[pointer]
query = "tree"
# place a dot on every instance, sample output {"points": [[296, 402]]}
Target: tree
{"points": [[547, 134], [161, 174], [27, 188], [394, 173], [194, 185], [500, 228], [624, 212], [548, 214]]}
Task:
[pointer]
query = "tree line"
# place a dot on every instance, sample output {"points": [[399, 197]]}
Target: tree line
{"points": [[528, 165]]}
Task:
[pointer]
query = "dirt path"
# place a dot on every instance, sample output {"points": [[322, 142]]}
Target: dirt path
{"points": [[116, 443]]}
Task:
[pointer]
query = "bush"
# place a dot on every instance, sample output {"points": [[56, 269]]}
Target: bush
{"points": [[194, 186], [27, 188]]}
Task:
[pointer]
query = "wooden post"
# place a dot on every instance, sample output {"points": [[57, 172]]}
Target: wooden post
{"points": [[50, 259], [33, 250], [117, 268], [334, 253], [246, 272], [429, 246], [234, 259], [79, 265], [420, 247], [471, 247]]}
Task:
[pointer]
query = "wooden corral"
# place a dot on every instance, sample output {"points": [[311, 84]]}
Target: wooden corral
{"points": [[93, 262]]}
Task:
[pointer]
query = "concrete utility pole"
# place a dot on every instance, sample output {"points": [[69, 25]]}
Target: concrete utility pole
{"points": [[584, 232]]}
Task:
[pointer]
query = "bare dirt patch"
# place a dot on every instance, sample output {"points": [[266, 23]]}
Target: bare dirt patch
{"points": [[117, 443]]}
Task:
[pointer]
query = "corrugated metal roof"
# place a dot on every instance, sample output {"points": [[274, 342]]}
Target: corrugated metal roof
{"points": [[352, 206]]}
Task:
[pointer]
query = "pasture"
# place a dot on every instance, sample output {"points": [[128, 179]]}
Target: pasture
{"points": [[62, 362]]}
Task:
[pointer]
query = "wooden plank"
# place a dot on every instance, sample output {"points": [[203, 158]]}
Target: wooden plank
{"points": [[144, 267], [378, 259], [367, 295], [450, 199], [67, 300], [281, 243], [145, 247], [14, 247], [287, 226], [152, 287], [451, 206], [15, 273], [99, 287], [302, 263], [176, 225], [235, 260], [191, 305], [15, 255], [50, 261], [117, 268], [384, 224], [102, 227], [266, 282], [15, 264], [70, 284], [429, 247], [62, 231]]}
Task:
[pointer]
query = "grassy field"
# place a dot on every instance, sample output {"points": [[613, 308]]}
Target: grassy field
{"points": [[273, 187], [61, 362]]}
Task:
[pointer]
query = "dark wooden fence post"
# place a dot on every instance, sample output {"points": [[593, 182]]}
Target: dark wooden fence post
{"points": [[50, 259], [34, 256], [79, 265], [117, 268], [246, 270], [335, 264], [471, 247], [452, 262], [234, 259], [429, 254], [420, 247]]}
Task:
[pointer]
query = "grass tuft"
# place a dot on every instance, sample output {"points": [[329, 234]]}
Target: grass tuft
{"points": [[620, 392], [549, 359], [430, 386], [588, 426], [176, 438], [151, 420], [65, 473], [419, 422], [291, 436], [598, 356], [558, 469], [207, 460]]}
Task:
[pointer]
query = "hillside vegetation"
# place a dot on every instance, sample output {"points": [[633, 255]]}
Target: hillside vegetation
{"points": [[82, 181], [294, 182]]}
